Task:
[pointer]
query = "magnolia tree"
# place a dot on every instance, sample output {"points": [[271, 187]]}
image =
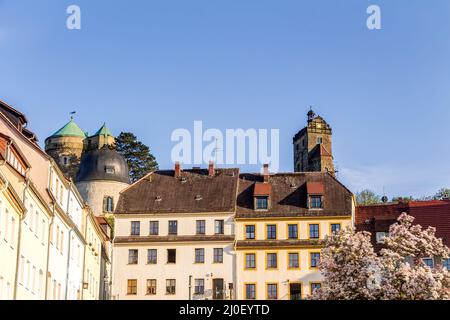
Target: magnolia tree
{"points": [[352, 269]]}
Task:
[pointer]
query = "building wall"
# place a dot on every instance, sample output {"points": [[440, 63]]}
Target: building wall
{"points": [[33, 250], [282, 275], [95, 191], [58, 257], [185, 258], [92, 261], [9, 230]]}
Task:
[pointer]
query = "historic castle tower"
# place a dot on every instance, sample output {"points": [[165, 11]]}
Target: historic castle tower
{"points": [[312, 146], [99, 171]]}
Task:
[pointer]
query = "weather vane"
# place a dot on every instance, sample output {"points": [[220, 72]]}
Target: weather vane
{"points": [[72, 114]]}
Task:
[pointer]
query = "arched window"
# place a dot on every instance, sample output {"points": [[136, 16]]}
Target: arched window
{"points": [[108, 204]]}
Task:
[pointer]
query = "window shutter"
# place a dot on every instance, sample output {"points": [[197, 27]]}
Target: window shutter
{"points": [[105, 204]]}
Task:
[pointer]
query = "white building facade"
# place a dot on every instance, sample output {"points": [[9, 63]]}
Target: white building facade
{"points": [[177, 242]]}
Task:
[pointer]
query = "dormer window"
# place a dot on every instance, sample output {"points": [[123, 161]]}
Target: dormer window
{"points": [[315, 195], [262, 203], [261, 196], [315, 202]]}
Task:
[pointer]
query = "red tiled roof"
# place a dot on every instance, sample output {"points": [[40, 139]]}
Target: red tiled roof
{"points": [[377, 218], [262, 189], [315, 187]]}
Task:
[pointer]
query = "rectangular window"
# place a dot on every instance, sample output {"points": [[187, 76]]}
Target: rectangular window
{"points": [[135, 228], [132, 287], [200, 227], [199, 255], [293, 231], [429, 262], [154, 228], [250, 261], [293, 260], [152, 256], [250, 291], [315, 202], [272, 260], [271, 230], [170, 286], [315, 286], [446, 264], [173, 227], [380, 236], [262, 203], [199, 286], [335, 227], [219, 227], [314, 259], [272, 291], [171, 256], [314, 231], [218, 255], [151, 287], [133, 256], [250, 232]]}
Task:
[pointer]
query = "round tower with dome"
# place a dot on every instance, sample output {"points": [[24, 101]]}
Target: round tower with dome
{"points": [[99, 171], [66, 146]]}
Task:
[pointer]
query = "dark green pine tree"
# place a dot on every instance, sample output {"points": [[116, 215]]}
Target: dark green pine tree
{"points": [[140, 160]]}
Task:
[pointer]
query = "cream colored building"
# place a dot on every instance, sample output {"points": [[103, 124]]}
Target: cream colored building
{"points": [[281, 222], [174, 236], [11, 213], [92, 259]]}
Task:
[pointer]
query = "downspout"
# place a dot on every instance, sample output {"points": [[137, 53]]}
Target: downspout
{"points": [[19, 242], [68, 264], [84, 259], [50, 228]]}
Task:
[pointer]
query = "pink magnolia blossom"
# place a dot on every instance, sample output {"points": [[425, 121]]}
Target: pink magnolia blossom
{"points": [[352, 269]]}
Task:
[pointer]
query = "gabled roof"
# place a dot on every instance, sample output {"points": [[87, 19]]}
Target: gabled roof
{"points": [[195, 191], [289, 195], [103, 131], [71, 129]]}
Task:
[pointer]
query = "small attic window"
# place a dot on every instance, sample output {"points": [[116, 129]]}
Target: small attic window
{"points": [[183, 179], [262, 202], [110, 170], [158, 198], [198, 197]]}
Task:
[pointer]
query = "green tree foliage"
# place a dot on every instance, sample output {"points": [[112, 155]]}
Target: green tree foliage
{"points": [[367, 197], [140, 160], [442, 194]]}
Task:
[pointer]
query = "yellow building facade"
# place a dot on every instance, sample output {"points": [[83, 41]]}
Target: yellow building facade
{"points": [[282, 221]]}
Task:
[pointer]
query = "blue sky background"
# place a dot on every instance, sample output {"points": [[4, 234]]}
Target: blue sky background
{"points": [[154, 66]]}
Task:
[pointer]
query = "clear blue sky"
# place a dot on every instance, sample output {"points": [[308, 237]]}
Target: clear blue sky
{"points": [[153, 66]]}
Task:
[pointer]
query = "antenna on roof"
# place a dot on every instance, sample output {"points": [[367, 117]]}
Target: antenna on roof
{"points": [[72, 114], [216, 149]]}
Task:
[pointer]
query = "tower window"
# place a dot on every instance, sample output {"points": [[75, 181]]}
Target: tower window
{"points": [[66, 161], [108, 204], [319, 140], [110, 170]]}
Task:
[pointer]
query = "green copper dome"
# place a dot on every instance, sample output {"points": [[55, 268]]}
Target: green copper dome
{"points": [[103, 131], [71, 129]]}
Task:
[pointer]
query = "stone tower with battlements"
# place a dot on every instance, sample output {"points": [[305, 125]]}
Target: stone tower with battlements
{"points": [[313, 146]]}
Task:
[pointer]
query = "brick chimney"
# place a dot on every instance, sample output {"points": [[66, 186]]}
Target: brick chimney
{"points": [[211, 169], [266, 173], [177, 170]]}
